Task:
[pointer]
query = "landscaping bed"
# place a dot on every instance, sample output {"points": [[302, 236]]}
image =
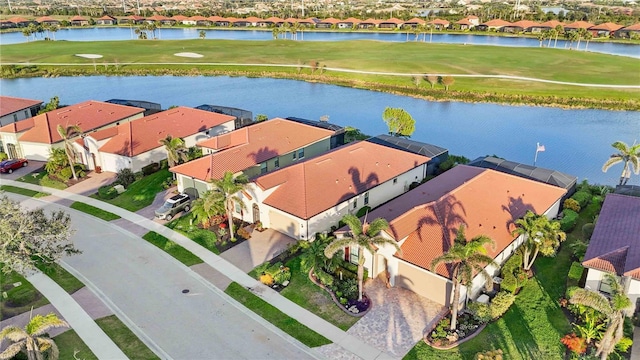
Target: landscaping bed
{"points": [[352, 307]]}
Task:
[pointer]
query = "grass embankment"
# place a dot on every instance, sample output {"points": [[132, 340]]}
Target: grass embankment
{"points": [[202, 237], [143, 57], [141, 193], [69, 343], [276, 317], [21, 191], [124, 338], [178, 252], [92, 210], [20, 298]]}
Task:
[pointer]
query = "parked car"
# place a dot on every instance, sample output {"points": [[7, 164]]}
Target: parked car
{"points": [[174, 205], [8, 166]]}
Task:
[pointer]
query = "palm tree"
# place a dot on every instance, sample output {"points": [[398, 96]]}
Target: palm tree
{"points": [[313, 257], [202, 34], [176, 151], [559, 30], [364, 236], [67, 134], [466, 257], [275, 32], [227, 187], [613, 308], [207, 206], [33, 339], [540, 236], [550, 34], [587, 37], [629, 156]]}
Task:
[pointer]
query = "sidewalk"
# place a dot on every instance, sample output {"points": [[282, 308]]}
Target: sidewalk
{"points": [[348, 342]]}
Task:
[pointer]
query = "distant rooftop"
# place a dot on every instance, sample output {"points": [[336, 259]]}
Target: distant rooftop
{"points": [[321, 124], [412, 146], [546, 176], [150, 107]]}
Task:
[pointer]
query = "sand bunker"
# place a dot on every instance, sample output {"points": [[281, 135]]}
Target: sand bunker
{"points": [[189, 55], [89, 56]]}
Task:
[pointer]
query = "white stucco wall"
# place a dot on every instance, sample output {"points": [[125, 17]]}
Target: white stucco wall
{"points": [[19, 115], [36, 151]]}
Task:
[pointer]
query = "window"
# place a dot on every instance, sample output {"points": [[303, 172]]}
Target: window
{"points": [[395, 181], [263, 167], [15, 117], [301, 153], [276, 163], [605, 285], [366, 198], [295, 155], [355, 203], [26, 114], [353, 255], [238, 208]]}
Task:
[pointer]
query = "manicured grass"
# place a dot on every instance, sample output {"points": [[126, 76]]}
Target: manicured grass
{"points": [[406, 57], [68, 342], [311, 297], [203, 237], [141, 193], [276, 317], [21, 191], [62, 277], [92, 210], [33, 178], [19, 299], [124, 338], [181, 254]]}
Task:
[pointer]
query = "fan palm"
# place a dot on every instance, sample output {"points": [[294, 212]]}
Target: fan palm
{"points": [[629, 156], [613, 308], [207, 206], [228, 187], [67, 133], [540, 236], [364, 236], [314, 257], [466, 257], [176, 151], [33, 339]]}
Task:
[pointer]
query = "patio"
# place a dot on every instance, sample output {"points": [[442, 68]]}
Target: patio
{"points": [[261, 247]]}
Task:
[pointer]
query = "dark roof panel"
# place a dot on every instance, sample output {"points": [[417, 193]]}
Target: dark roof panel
{"points": [[412, 146], [547, 176], [320, 124]]}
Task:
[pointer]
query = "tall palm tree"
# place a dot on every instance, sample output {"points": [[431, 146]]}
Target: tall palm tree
{"points": [[364, 236], [176, 151], [67, 134], [540, 236], [629, 156], [587, 37], [613, 308], [466, 258], [33, 339], [559, 30], [228, 187], [207, 206]]}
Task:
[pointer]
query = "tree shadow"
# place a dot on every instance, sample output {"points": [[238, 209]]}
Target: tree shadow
{"points": [[262, 155], [359, 183], [516, 209], [521, 334]]}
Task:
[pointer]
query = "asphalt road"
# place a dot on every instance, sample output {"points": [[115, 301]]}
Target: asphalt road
{"points": [[146, 286]]}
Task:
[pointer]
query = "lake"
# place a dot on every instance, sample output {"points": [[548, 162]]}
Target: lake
{"points": [[577, 142], [123, 33]]}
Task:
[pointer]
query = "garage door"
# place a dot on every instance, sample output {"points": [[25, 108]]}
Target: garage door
{"points": [[422, 283], [284, 224]]}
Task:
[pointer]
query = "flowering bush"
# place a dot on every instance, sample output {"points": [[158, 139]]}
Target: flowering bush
{"points": [[574, 343], [572, 204]]}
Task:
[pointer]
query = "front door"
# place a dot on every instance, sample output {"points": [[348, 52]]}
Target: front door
{"points": [[256, 213]]}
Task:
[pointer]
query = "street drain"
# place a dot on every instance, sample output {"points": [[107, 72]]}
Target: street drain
{"points": [[185, 291]]}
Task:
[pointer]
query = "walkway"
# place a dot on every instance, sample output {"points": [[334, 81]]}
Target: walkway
{"points": [[333, 333]]}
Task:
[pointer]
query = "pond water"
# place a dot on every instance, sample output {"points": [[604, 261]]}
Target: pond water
{"points": [[577, 142], [124, 33]]}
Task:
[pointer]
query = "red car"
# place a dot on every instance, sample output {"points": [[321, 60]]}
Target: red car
{"points": [[8, 166]]}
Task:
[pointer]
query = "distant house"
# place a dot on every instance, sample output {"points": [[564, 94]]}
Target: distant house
{"points": [[33, 138], [524, 26], [392, 23], [21, 22], [548, 25], [311, 196], [369, 24], [627, 32], [327, 23], [197, 20], [163, 20], [134, 144], [424, 222], [253, 150], [575, 26], [47, 20], [414, 23], [13, 109], [614, 247], [106, 20], [219, 21], [439, 24], [348, 23], [179, 18], [78, 21], [605, 29], [132, 20], [493, 25], [468, 23]]}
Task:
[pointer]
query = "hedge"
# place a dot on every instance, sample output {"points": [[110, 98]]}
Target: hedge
{"points": [[107, 192], [569, 220], [150, 169], [582, 197]]}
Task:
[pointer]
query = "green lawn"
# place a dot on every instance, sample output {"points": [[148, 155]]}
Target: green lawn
{"points": [[68, 342], [21, 191], [19, 299], [141, 193], [124, 338], [181, 254], [311, 297], [62, 277], [402, 57], [276, 317], [92, 210], [203, 237], [33, 178]]}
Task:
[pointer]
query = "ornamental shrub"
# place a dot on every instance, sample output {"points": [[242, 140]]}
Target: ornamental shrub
{"points": [[349, 288], [325, 278], [150, 169], [501, 303], [3, 156], [107, 192], [125, 177], [480, 312], [569, 220], [363, 211], [575, 271], [582, 197], [513, 277], [266, 279], [283, 275], [574, 343], [571, 204], [624, 344], [587, 231]]}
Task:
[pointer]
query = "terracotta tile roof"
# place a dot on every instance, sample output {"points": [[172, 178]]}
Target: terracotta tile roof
{"points": [[179, 17], [89, 115], [198, 18], [552, 24], [415, 21], [465, 21], [472, 17], [157, 18], [392, 21], [10, 104], [46, 19], [18, 126], [274, 19], [253, 19], [77, 18], [440, 22], [106, 17], [496, 22], [216, 18], [18, 19], [371, 21], [525, 24], [134, 17], [332, 178], [141, 135], [330, 21], [634, 27], [578, 25], [249, 146], [607, 27], [307, 21], [487, 202], [617, 229], [351, 20]]}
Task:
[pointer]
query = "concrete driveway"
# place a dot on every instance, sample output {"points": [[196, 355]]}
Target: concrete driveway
{"points": [[33, 166], [261, 247], [147, 288]]}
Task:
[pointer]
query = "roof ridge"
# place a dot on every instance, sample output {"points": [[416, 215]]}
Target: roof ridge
{"points": [[600, 257]]}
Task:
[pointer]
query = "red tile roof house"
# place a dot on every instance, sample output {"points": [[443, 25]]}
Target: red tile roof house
{"points": [[369, 24], [13, 109], [614, 247], [606, 29], [349, 23], [34, 137], [311, 196], [627, 32], [493, 25], [78, 21], [424, 222], [106, 20], [252, 150], [134, 144], [522, 26]]}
